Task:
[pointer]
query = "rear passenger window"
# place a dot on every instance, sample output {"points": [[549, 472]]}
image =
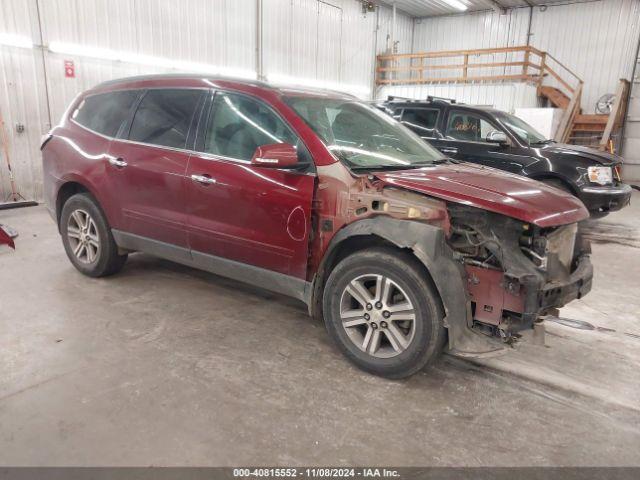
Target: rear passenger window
{"points": [[106, 112], [239, 124], [163, 117], [420, 117]]}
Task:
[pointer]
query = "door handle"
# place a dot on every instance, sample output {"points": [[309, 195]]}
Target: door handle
{"points": [[118, 162], [451, 150], [203, 179]]}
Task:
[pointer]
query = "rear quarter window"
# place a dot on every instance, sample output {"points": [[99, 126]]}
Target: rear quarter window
{"points": [[105, 113]]}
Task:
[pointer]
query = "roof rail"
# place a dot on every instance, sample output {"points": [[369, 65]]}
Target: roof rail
{"points": [[431, 98], [392, 98]]}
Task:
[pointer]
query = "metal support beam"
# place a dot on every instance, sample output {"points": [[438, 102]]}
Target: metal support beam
{"points": [[259, 48], [495, 6]]}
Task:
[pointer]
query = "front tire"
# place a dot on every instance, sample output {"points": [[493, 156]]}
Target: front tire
{"points": [[87, 238], [383, 313]]}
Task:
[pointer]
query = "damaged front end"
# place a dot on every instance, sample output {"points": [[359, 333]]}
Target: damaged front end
{"points": [[516, 271]]}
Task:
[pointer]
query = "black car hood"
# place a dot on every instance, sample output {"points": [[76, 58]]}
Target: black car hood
{"points": [[604, 158]]}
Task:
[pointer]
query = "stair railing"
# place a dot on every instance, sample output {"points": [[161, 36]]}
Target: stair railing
{"points": [[616, 117]]}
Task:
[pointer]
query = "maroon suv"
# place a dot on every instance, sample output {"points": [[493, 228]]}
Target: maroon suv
{"points": [[315, 195]]}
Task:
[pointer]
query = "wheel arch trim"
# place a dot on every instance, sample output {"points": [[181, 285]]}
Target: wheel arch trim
{"points": [[73, 178], [427, 243]]}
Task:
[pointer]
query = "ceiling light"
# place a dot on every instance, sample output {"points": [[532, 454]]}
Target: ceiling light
{"points": [[12, 40], [161, 62], [457, 4]]}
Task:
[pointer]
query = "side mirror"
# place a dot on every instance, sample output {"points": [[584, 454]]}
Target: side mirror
{"points": [[495, 136], [275, 155]]}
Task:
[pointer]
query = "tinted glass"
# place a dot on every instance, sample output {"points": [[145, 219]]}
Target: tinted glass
{"points": [[468, 127], [238, 125], [421, 120], [362, 136], [164, 116], [521, 128], [105, 113]]}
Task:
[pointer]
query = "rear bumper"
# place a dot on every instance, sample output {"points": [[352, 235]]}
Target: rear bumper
{"points": [[605, 199]]}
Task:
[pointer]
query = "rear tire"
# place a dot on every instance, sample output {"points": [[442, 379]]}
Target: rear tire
{"points": [[382, 312], [87, 238]]}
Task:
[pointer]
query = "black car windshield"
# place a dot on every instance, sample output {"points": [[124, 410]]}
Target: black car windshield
{"points": [[361, 136], [522, 129]]}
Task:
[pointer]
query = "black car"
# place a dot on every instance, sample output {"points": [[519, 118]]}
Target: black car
{"points": [[497, 139]]}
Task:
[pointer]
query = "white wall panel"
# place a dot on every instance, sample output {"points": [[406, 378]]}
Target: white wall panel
{"points": [[358, 45], [595, 39], [477, 30], [22, 100], [330, 41], [186, 31], [403, 33], [290, 37]]}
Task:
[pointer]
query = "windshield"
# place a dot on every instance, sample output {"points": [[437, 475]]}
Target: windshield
{"points": [[362, 137], [522, 129]]}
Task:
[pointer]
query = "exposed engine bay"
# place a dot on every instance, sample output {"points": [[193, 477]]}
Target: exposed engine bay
{"points": [[516, 271], [496, 275]]}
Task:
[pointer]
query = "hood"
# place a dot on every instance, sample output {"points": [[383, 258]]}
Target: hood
{"points": [[493, 190], [604, 158]]}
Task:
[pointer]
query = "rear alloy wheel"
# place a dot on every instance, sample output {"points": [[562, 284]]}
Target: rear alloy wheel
{"points": [[87, 237], [382, 312], [83, 236]]}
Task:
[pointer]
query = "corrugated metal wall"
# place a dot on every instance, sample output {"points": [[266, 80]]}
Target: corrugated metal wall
{"points": [[22, 100], [187, 31], [595, 39], [331, 41]]}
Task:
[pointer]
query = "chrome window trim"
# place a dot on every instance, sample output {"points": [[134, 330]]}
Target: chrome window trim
{"points": [[107, 137], [206, 155]]}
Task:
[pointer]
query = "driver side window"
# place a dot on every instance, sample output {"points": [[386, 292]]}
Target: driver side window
{"points": [[239, 124], [468, 127]]}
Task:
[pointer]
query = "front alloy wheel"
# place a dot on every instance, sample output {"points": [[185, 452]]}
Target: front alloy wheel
{"points": [[383, 313], [377, 315]]}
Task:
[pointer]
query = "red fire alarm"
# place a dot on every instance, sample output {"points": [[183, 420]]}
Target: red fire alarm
{"points": [[69, 69]]}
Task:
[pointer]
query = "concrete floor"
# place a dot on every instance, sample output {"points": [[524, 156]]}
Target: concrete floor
{"points": [[165, 365]]}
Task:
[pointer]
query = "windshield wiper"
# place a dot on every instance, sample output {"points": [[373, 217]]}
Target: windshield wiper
{"points": [[445, 160], [543, 142]]}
